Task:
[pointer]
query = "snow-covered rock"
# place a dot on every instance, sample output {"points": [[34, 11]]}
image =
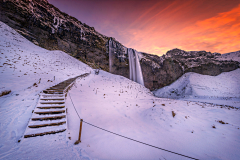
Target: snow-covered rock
{"points": [[232, 56], [196, 86]]}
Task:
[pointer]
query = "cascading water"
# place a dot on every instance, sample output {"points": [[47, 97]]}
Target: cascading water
{"points": [[117, 50], [134, 66], [111, 50]]}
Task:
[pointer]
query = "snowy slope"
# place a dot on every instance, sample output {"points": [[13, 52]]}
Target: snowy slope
{"points": [[20, 59], [234, 56], [108, 101], [124, 107], [197, 86], [21, 65]]}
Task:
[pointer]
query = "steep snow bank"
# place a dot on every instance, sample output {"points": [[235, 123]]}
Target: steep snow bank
{"points": [[22, 63], [226, 84], [193, 85], [234, 56]]}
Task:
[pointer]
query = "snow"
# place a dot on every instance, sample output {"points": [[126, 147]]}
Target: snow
{"points": [[111, 102], [234, 56], [223, 89], [139, 115]]}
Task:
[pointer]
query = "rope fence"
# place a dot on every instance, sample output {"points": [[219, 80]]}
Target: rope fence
{"points": [[81, 120], [74, 106]]}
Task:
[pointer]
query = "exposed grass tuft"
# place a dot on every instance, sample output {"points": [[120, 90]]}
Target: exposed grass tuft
{"points": [[35, 84], [6, 92], [173, 114], [222, 122], [77, 142]]}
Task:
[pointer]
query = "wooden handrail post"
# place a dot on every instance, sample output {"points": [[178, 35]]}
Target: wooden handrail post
{"points": [[80, 132]]}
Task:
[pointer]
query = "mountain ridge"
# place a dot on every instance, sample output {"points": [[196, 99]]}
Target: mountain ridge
{"points": [[48, 27]]}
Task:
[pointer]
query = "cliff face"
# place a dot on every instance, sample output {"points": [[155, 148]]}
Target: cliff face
{"points": [[162, 71], [48, 27]]}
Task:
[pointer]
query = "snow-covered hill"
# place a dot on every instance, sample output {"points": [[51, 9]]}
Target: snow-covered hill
{"points": [[22, 63], [234, 56], [108, 101], [196, 86]]}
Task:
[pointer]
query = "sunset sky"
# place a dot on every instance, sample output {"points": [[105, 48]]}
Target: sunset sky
{"points": [[156, 26]]}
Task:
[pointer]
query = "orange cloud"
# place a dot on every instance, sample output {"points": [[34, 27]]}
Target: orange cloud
{"points": [[217, 34], [156, 26], [170, 28]]}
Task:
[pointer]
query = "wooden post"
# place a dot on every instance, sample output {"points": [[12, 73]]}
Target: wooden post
{"points": [[80, 131]]}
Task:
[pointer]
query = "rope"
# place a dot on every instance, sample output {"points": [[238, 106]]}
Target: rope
{"points": [[128, 137], [140, 141], [74, 105]]}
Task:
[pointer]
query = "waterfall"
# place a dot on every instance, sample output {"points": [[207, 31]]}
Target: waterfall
{"points": [[111, 54], [134, 66], [117, 51]]}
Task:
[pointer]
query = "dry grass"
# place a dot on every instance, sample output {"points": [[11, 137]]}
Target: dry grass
{"points": [[35, 84], [222, 122], [77, 142], [173, 114], [6, 92]]}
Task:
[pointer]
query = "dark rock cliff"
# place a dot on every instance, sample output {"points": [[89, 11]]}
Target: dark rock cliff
{"points": [[48, 27], [168, 68]]}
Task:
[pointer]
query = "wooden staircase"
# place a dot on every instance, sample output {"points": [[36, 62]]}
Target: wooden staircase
{"points": [[50, 113]]}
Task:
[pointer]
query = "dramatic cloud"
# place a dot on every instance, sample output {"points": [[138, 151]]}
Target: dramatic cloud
{"points": [[155, 26], [219, 34]]}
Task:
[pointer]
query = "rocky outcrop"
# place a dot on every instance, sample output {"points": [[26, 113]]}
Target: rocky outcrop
{"points": [[119, 63], [158, 77], [202, 62], [48, 27], [168, 68]]}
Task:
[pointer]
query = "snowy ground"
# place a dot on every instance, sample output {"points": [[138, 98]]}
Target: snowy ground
{"points": [[126, 108], [234, 56], [223, 89], [107, 101]]}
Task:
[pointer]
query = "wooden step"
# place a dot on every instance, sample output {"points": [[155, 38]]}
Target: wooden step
{"points": [[49, 107], [47, 102], [45, 125], [51, 112], [54, 99], [52, 95], [44, 133], [58, 90], [48, 118], [52, 92]]}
